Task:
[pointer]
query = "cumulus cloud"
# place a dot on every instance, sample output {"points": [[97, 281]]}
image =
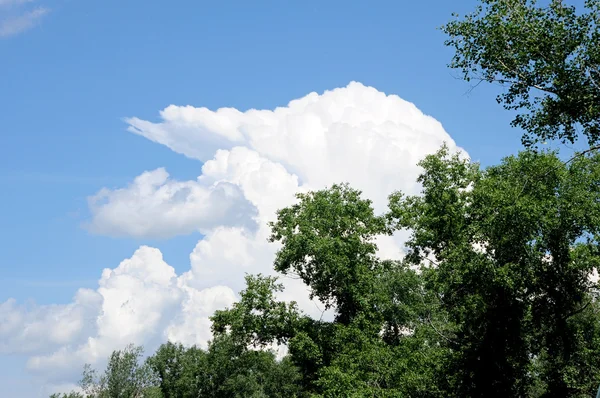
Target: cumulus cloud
{"points": [[191, 326], [13, 24], [355, 134], [155, 206], [142, 301], [31, 328], [254, 163]]}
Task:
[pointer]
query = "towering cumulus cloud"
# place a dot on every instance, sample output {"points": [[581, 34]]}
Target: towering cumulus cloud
{"points": [[254, 163]]}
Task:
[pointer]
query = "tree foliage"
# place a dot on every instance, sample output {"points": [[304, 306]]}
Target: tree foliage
{"points": [[513, 247], [334, 255], [493, 297], [546, 56]]}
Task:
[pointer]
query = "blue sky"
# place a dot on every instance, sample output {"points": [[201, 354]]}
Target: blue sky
{"points": [[69, 80]]}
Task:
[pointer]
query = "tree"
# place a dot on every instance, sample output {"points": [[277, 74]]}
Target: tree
{"points": [[238, 372], [258, 319], [180, 370], [125, 377], [239, 355], [376, 345], [327, 241], [546, 57], [226, 370], [512, 247]]}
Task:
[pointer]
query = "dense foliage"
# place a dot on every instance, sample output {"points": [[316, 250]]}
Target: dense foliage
{"points": [[545, 55], [493, 297]]}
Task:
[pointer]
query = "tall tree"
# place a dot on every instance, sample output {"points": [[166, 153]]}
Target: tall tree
{"points": [[547, 57], [181, 371], [328, 241], [376, 345], [512, 248]]}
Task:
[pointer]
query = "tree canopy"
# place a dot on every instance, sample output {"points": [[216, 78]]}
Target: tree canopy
{"points": [[547, 58], [493, 297]]}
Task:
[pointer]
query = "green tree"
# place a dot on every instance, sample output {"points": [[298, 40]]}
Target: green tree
{"points": [[238, 372], [226, 370], [258, 319], [126, 376], [546, 56], [181, 371], [512, 247], [376, 345], [328, 242]]}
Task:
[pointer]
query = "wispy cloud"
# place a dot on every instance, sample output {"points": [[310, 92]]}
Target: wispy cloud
{"points": [[14, 25]]}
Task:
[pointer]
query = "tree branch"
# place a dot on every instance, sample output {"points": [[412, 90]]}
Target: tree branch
{"points": [[430, 322], [578, 311], [524, 79]]}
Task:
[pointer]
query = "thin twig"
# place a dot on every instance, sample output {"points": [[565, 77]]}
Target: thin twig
{"points": [[430, 322], [524, 78]]}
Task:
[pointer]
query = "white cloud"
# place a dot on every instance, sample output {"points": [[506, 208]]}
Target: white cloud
{"points": [[191, 326], [142, 301], [32, 328], [255, 162], [155, 206], [355, 134], [15, 24]]}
